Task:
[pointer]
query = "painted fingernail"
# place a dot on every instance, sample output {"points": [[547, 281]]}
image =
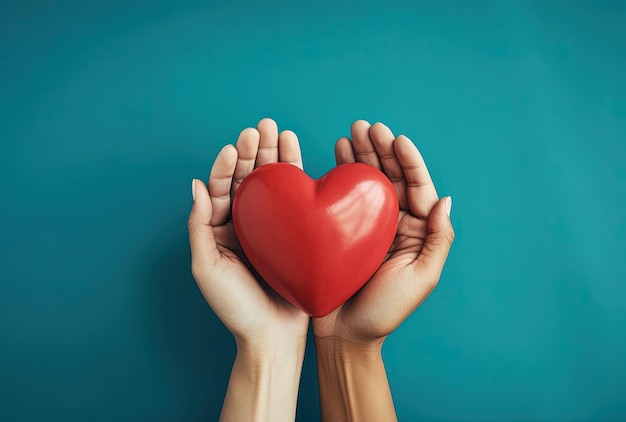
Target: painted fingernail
{"points": [[449, 205], [193, 189]]}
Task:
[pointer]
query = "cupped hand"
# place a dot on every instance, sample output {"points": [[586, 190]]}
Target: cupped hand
{"points": [[253, 312], [420, 248]]}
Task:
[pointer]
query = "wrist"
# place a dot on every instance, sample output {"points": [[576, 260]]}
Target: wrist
{"points": [[265, 380], [271, 348], [343, 350], [352, 380], [272, 360]]}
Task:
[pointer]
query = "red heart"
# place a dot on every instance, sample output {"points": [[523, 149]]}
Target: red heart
{"points": [[316, 242]]}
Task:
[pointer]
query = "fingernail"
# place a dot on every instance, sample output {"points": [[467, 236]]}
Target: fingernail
{"points": [[449, 205], [193, 189]]}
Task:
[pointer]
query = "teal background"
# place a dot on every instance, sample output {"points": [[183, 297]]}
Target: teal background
{"points": [[109, 108]]}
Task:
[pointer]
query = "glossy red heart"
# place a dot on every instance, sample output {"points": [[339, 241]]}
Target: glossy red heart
{"points": [[316, 242]]}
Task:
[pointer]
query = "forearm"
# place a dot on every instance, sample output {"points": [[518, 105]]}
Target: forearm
{"points": [[264, 382], [352, 382]]}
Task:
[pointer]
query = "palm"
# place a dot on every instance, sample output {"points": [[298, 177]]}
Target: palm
{"points": [[227, 243], [401, 283], [233, 263], [242, 301], [410, 236]]}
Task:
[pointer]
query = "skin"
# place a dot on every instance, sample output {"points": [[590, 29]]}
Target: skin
{"points": [[270, 332], [352, 380]]}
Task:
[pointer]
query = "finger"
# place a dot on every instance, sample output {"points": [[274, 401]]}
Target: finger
{"points": [[363, 148], [268, 143], [344, 154], [382, 139], [439, 238], [204, 251], [289, 149], [247, 148], [220, 182], [420, 191]]}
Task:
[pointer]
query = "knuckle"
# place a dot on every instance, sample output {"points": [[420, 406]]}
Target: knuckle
{"points": [[192, 225], [449, 235]]}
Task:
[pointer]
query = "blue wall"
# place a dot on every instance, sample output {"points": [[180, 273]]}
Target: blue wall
{"points": [[108, 110]]}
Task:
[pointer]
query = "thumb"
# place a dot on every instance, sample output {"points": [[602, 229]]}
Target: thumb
{"points": [[439, 238], [204, 253]]}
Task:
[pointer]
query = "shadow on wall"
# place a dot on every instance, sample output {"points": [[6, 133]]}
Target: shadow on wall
{"points": [[191, 344]]}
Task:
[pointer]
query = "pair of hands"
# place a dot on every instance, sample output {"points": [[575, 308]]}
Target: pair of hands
{"points": [[265, 324]]}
